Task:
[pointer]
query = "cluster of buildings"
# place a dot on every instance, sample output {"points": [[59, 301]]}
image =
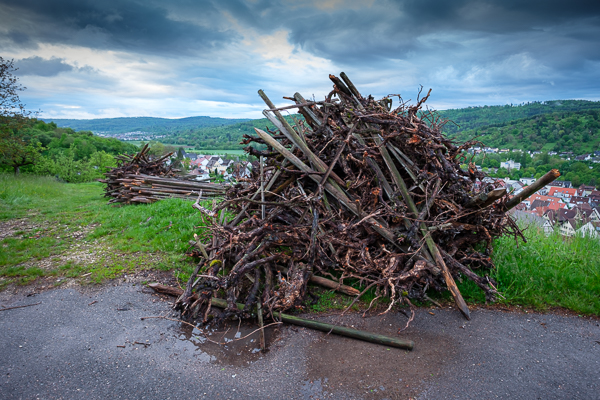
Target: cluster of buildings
{"points": [[490, 150], [136, 135], [562, 208], [204, 165], [510, 165]]}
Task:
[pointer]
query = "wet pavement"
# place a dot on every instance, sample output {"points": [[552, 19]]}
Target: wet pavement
{"points": [[93, 344]]}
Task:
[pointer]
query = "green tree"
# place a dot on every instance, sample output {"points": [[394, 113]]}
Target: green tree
{"points": [[16, 148], [10, 104], [502, 172], [529, 172], [17, 151]]}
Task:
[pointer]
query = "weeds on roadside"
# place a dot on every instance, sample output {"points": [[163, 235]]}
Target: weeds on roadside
{"points": [[547, 271]]}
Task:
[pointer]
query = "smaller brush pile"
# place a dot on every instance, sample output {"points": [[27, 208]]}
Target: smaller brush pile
{"points": [[141, 178], [358, 191]]}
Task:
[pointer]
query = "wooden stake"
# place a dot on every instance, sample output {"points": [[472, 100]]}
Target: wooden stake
{"points": [[483, 200], [261, 324]]}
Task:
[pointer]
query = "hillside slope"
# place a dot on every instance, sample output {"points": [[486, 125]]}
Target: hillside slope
{"points": [[478, 117], [576, 131], [218, 137]]}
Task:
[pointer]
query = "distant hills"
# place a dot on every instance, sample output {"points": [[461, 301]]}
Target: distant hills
{"points": [[114, 126], [558, 125]]}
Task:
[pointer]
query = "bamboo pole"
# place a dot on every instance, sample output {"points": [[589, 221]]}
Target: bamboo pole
{"points": [[320, 326]]}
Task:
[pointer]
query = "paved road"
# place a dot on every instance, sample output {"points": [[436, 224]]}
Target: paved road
{"points": [[67, 347]]}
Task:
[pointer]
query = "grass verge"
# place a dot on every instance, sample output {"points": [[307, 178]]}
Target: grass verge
{"points": [[547, 271], [58, 229]]}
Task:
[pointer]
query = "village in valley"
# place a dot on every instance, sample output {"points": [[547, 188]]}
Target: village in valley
{"points": [[202, 166], [558, 207]]}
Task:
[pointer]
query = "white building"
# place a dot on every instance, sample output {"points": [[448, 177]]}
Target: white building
{"points": [[527, 181], [510, 165], [588, 230]]}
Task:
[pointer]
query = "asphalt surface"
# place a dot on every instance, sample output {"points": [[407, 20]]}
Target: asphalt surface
{"points": [[81, 344]]}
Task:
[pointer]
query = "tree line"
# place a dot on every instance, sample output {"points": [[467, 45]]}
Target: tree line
{"points": [[45, 149], [577, 172], [28, 144], [573, 131], [474, 118]]}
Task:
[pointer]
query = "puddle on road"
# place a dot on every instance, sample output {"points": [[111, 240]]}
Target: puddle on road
{"points": [[375, 371], [235, 345]]}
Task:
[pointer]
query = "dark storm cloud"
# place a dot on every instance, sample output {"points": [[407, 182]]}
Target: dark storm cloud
{"points": [[360, 33], [477, 52], [395, 29], [41, 67], [124, 25]]}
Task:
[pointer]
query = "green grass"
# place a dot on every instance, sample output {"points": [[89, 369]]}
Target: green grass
{"points": [[62, 216], [545, 272]]}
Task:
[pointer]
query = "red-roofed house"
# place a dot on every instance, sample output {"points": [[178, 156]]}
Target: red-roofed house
{"points": [[578, 200], [585, 190], [595, 197], [553, 202], [565, 193]]}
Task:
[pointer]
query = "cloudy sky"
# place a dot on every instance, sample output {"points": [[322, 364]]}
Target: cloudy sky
{"points": [[178, 58]]}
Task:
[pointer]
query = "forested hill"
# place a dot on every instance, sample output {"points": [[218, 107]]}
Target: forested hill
{"points": [[112, 126], [576, 131], [469, 118], [220, 137]]}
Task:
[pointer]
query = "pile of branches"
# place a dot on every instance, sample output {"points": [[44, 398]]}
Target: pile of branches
{"points": [[141, 178], [357, 191]]}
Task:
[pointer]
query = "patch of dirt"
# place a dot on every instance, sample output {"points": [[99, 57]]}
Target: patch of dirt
{"points": [[79, 252], [22, 227]]}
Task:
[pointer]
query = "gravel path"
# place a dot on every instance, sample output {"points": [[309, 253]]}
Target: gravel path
{"points": [[83, 345]]}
